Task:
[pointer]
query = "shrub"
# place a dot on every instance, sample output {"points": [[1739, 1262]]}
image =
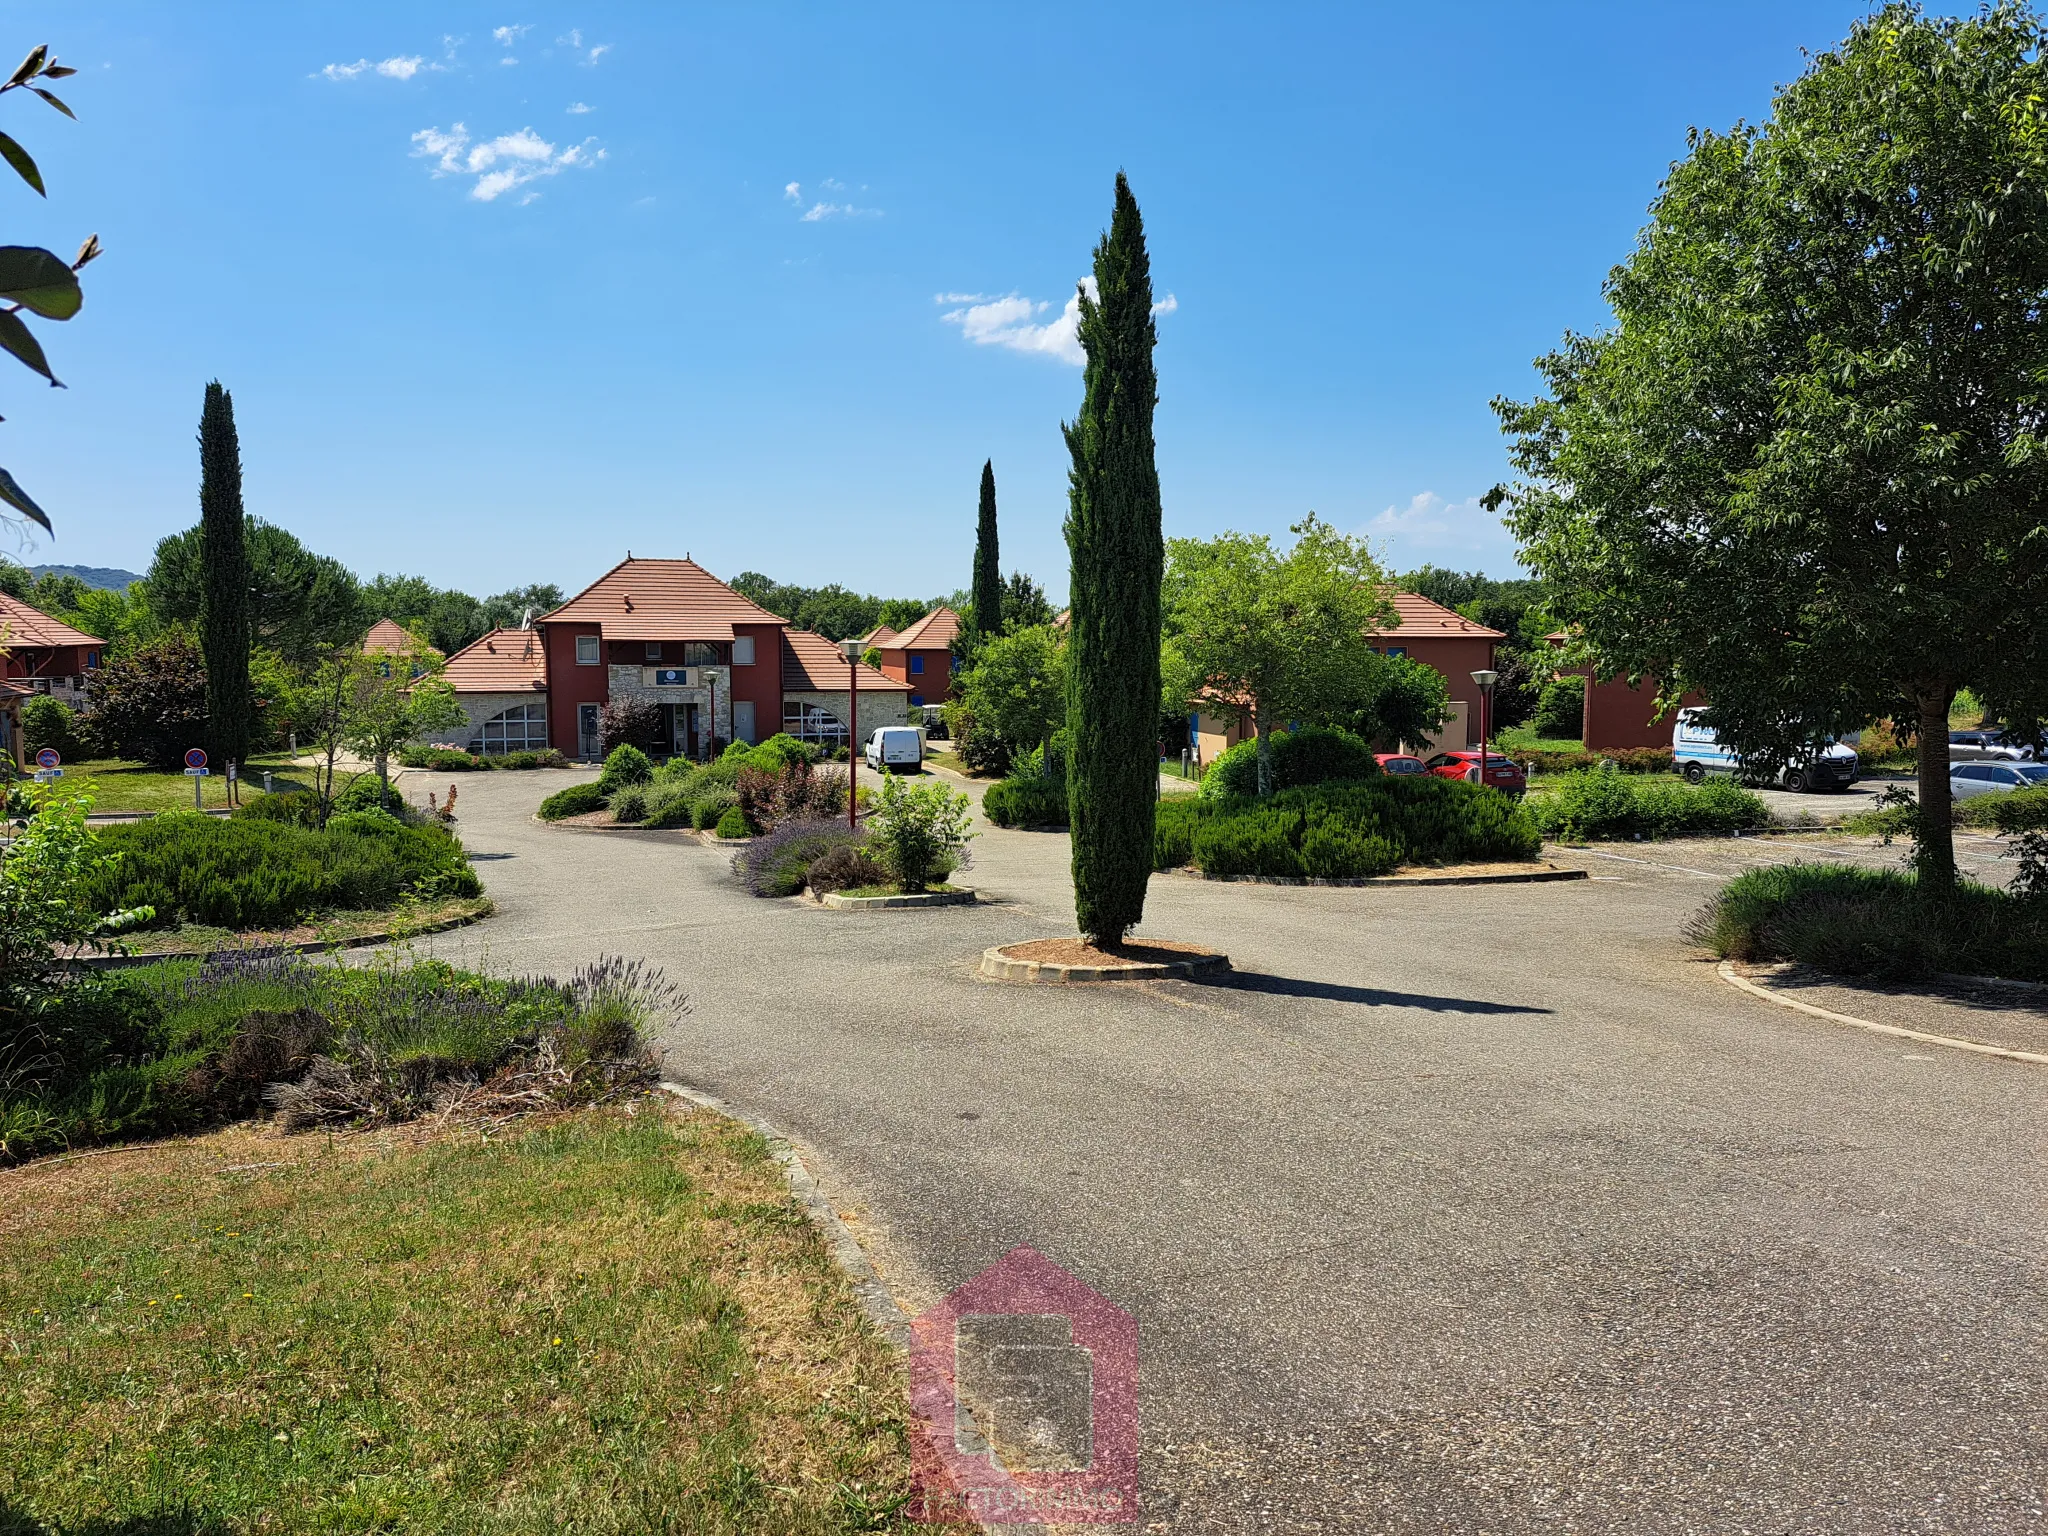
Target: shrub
{"points": [[733, 823], [1310, 755], [713, 808], [1026, 802], [2020, 810], [630, 804], [1258, 842], [150, 704], [547, 758], [1625, 759], [442, 759], [367, 792], [778, 863], [1561, 708], [573, 801], [920, 832], [623, 765], [775, 755], [631, 720], [255, 873], [1603, 803], [1335, 849], [295, 807], [48, 722], [794, 791], [1878, 923], [844, 868]]}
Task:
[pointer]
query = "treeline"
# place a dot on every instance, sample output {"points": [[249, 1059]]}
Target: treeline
{"points": [[839, 614]]}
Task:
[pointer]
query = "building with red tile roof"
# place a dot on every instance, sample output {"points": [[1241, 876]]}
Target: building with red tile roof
{"points": [[45, 653], [388, 637], [921, 657], [501, 682]]}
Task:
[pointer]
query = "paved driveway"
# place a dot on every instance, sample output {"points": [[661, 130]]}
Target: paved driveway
{"points": [[1455, 1209]]}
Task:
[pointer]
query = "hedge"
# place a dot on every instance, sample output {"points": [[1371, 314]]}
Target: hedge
{"points": [[252, 873], [1311, 755], [1349, 830], [1627, 759], [455, 760], [573, 801], [1026, 802], [1604, 803]]}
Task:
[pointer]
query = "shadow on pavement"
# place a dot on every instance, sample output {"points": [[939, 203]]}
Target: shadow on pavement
{"points": [[1336, 992]]}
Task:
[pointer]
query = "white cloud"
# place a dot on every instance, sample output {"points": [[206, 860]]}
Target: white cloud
{"points": [[397, 67], [818, 212], [1430, 528], [510, 160], [577, 108], [1013, 322], [574, 42], [794, 192], [505, 37]]}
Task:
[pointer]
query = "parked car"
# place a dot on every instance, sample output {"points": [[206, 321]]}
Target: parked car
{"points": [[894, 746], [1398, 762], [1696, 752], [1968, 780], [1503, 773], [1990, 744]]}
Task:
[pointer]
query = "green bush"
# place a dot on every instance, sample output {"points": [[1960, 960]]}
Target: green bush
{"points": [[771, 756], [442, 759], [573, 801], [48, 722], [1310, 755], [2019, 810], [366, 792], [254, 873], [1878, 923], [627, 764], [297, 808], [733, 823], [1626, 759], [713, 807], [1561, 708], [1603, 803], [630, 804], [1370, 826], [778, 863], [920, 832], [1026, 802]]}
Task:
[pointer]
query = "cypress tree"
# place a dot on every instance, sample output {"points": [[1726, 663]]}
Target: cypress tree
{"points": [[988, 565], [1117, 552], [224, 566]]}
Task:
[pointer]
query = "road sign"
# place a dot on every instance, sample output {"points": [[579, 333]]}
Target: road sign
{"points": [[48, 758], [195, 757]]}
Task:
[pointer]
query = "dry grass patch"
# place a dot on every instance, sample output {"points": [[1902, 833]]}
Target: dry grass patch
{"points": [[614, 1320]]}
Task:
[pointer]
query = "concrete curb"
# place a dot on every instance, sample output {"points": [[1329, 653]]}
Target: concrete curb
{"points": [[617, 826], [1532, 876], [317, 946], [1727, 973], [998, 966], [847, 1253], [713, 840], [923, 899]]}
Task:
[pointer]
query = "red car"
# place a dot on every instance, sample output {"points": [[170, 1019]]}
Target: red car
{"points": [[1398, 762], [1503, 773]]}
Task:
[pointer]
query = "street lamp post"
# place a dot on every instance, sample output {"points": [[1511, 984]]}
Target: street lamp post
{"points": [[852, 649], [1485, 678]]}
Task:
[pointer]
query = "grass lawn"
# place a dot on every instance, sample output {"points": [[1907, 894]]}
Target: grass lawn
{"points": [[123, 786], [1523, 738], [613, 1321], [952, 760]]}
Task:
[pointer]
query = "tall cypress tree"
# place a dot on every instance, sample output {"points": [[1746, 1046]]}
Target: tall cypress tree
{"points": [[988, 564], [224, 564], [1117, 550]]}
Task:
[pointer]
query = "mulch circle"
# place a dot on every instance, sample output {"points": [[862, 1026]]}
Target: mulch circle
{"points": [[1081, 952], [1068, 960]]}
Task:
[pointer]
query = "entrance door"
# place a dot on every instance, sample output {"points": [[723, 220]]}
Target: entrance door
{"points": [[586, 731], [743, 719], [690, 744]]}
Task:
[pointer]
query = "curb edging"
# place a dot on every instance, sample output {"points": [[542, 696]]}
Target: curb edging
{"points": [[922, 899], [1533, 876], [1726, 970], [998, 966], [313, 947]]}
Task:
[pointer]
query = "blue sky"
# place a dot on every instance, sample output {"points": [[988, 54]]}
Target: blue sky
{"points": [[505, 291]]}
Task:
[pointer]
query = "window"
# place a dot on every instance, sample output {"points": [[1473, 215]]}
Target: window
{"points": [[586, 651], [702, 653], [1968, 771], [522, 728], [916, 662], [918, 700], [743, 651], [807, 722], [654, 650]]}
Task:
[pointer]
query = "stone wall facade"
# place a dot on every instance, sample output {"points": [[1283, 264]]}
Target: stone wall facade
{"points": [[479, 707], [877, 708]]}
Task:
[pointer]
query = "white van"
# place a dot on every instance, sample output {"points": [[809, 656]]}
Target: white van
{"points": [[895, 746], [1696, 752]]}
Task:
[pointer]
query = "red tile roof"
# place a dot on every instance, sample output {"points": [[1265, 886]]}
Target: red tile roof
{"points": [[22, 625], [936, 631], [660, 600], [1417, 618], [813, 664], [504, 661], [387, 637], [881, 634]]}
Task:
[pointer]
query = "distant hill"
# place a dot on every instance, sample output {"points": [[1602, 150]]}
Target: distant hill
{"points": [[113, 578]]}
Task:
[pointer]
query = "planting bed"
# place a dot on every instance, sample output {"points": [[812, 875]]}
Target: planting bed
{"points": [[1076, 959]]}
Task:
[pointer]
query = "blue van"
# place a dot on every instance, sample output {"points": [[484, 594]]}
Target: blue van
{"points": [[1696, 752]]}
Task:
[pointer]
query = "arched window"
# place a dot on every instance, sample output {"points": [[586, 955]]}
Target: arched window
{"points": [[807, 722], [522, 728]]}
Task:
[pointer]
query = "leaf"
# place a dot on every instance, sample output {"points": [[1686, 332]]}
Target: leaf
{"points": [[53, 101], [89, 250], [17, 157], [18, 339], [31, 64], [58, 72], [17, 498], [39, 280]]}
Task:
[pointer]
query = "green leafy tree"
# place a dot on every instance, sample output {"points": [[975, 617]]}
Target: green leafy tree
{"points": [[1017, 687], [1805, 470], [301, 605], [1024, 603], [1407, 703], [511, 610], [988, 568], [149, 705], [318, 707], [920, 831], [224, 634], [1116, 546], [1267, 637], [396, 698], [31, 278]]}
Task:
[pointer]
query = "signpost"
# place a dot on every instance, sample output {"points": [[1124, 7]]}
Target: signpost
{"points": [[47, 771], [196, 770]]}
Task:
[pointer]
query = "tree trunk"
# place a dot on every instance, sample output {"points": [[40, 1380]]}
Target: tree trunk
{"points": [[1935, 858], [1265, 751], [383, 782]]}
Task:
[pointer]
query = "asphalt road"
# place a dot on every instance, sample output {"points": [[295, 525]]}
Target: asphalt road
{"points": [[1454, 1209]]}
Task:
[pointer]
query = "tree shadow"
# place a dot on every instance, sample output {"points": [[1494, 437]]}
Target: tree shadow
{"points": [[16, 1521], [1337, 992]]}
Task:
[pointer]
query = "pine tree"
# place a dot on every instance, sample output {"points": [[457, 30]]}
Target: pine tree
{"points": [[224, 562], [1114, 539], [988, 566]]}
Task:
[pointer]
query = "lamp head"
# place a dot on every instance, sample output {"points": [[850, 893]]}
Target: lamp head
{"points": [[1485, 677], [852, 648]]}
